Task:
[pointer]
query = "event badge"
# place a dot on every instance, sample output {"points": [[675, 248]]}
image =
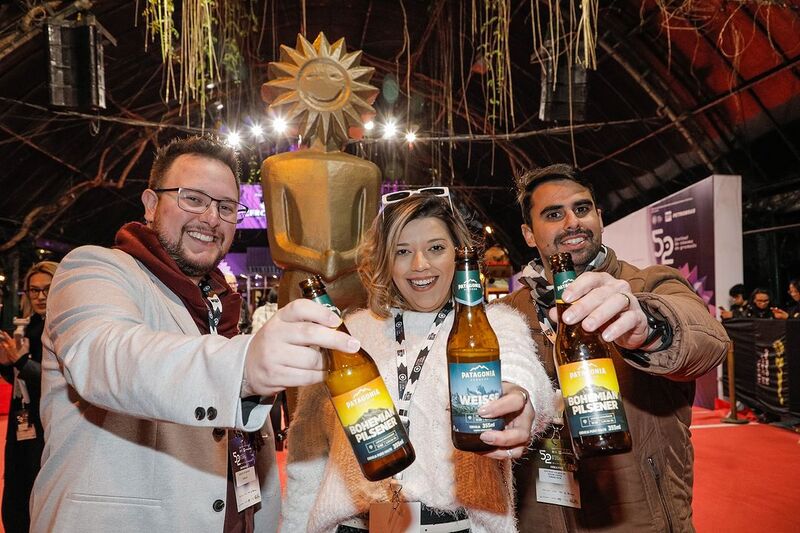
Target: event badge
{"points": [[243, 466], [555, 473], [25, 430], [556, 465], [395, 517]]}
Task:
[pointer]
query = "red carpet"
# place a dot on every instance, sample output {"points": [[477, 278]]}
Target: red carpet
{"points": [[747, 477], [5, 396]]}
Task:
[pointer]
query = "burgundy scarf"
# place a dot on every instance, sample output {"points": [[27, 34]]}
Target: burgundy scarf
{"points": [[142, 243]]}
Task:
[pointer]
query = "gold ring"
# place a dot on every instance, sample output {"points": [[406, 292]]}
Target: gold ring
{"points": [[524, 394], [628, 298]]}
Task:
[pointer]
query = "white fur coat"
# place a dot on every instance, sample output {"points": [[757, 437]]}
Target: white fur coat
{"points": [[325, 484]]}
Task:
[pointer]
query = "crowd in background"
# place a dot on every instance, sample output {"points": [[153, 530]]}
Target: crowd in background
{"points": [[759, 303]]}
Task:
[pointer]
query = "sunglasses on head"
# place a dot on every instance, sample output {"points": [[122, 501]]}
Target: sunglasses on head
{"points": [[393, 197]]}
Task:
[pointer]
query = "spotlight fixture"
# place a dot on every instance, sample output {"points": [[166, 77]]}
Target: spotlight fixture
{"points": [[256, 131], [219, 105], [234, 140], [210, 85], [369, 125], [489, 230], [411, 137], [279, 125], [389, 129]]}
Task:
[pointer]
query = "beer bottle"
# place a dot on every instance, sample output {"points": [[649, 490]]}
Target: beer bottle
{"points": [[592, 402], [473, 358], [364, 406]]}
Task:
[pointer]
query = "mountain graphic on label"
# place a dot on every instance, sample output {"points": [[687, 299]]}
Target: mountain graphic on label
{"points": [[361, 392], [479, 367], [592, 394], [361, 396], [470, 285], [369, 418], [587, 371]]}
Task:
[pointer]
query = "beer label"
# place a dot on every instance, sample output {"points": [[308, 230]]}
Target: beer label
{"points": [[560, 282], [592, 401], [467, 288], [326, 301], [370, 421], [472, 385]]}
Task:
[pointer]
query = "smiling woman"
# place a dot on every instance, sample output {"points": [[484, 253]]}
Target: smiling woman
{"points": [[410, 243], [423, 264], [407, 264]]}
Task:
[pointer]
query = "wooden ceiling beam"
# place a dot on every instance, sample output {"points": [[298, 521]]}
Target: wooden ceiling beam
{"points": [[699, 109]]}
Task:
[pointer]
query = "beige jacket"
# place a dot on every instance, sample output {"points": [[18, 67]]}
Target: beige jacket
{"points": [[131, 396], [649, 488]]}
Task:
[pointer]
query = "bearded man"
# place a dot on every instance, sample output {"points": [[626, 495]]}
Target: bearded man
{"points": [[153, 408], [663, 338]]}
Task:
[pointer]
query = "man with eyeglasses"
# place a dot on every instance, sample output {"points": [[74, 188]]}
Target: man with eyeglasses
{"points": [[665, 338], [154, 409]]}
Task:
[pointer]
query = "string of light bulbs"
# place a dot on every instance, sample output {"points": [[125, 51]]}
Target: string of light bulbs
{"points": [[389, 130]]}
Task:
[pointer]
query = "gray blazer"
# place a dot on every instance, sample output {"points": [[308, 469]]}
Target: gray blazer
{"points": [[131, 395]]}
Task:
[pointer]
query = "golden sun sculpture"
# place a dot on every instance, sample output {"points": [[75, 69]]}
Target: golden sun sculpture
{"points": [[321, 88]]}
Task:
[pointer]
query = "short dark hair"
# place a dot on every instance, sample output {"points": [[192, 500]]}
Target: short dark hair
{"points": [[528, 181], [204, 146], [737, 290], [759, 290]]}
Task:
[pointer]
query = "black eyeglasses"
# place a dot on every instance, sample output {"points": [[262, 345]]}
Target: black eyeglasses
{"points": [[34, 292], [397, 196], [198, 202]]}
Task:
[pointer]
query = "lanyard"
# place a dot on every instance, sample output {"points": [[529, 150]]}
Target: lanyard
{"points": [[544, 323], [406, 383], [214, 305], [20, 389]]}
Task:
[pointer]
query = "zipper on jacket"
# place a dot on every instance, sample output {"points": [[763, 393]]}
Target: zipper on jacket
{"points": [[657, 476]]}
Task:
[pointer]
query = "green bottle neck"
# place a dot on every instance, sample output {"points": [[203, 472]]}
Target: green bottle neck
{"points": [[324, 299], [560, 282], [467, 288]]}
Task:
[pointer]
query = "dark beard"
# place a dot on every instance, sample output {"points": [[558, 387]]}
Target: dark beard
{"points": [[190, 268], [587, 255]]}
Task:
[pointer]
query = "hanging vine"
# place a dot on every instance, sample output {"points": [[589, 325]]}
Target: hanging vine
{"points": [[198, 57], [209, 46], [493, 19], [237, 21], [572, 29], [159, 25]]}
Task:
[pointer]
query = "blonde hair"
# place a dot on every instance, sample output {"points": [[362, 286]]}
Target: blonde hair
{"points": [[375, 255], [42, 267]]}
